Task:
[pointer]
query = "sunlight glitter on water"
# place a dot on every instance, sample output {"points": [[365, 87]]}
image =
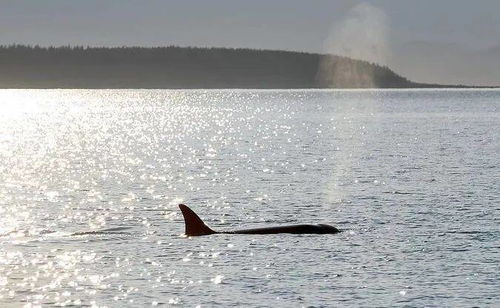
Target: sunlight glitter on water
{"points": [[90, 182]]}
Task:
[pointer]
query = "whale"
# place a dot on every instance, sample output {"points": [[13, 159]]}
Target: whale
{"points": [[196, 227]]}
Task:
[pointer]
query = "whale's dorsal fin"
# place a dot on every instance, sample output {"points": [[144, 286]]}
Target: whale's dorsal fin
{"points": [[194, 225]]}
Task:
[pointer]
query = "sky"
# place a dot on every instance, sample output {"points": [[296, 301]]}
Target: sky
{"points": [[313, 26]]}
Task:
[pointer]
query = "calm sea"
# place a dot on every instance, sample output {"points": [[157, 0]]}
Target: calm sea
{"points": [[411, 176]]}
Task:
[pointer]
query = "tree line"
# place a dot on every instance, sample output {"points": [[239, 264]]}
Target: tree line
{"points": [[23, 66]]}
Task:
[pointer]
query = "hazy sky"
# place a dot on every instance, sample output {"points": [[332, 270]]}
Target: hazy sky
{"points": [[287, 24]]}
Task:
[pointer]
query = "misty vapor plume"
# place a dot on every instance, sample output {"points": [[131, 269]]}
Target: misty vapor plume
{"points": [[362, 35]]}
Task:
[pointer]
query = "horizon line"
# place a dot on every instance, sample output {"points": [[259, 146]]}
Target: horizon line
{"points": [[90, 47]]}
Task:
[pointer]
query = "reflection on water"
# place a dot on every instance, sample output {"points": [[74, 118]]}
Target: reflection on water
{"points": [[90, 182]]}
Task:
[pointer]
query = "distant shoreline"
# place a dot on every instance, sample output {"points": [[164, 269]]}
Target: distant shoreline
{"points": [[27, 67]]}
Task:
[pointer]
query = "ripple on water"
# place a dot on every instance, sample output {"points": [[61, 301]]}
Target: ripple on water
{"points": [[90, 181]]}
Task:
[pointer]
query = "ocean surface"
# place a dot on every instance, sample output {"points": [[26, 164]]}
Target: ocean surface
{"points": [[90, 181]]}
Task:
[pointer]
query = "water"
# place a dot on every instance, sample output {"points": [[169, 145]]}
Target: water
{"points": [[411, 176]]}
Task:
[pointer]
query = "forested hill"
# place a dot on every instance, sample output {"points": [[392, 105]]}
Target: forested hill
{"points": [[179, 67]]}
